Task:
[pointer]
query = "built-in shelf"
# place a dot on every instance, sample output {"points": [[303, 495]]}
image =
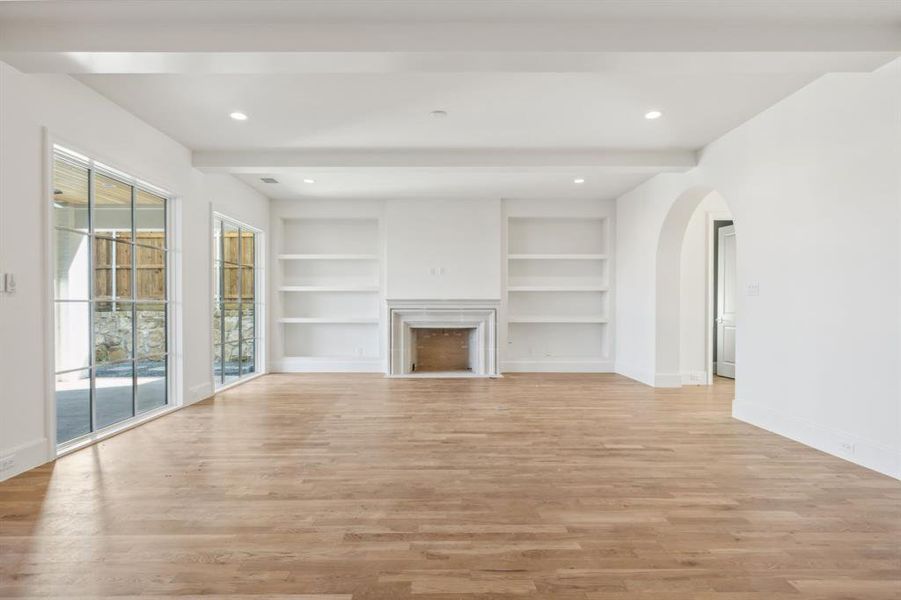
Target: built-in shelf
{"points": [[557, 288], [324, 359], [329, 320], [303, 363], [329, 288], [328, 272], [551, 261], [557, 319], [571, 364], [328, 257], [557, 256]]}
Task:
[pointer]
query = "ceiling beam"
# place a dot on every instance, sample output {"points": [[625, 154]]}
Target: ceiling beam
{"points": [[282, 161], [685, 63], [168, 33]]}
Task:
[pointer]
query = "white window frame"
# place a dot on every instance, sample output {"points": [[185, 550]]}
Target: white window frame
{"points": [[259, 268], [174, 396]]}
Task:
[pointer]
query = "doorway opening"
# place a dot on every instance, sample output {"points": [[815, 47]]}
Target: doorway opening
{"points": [[686, 295], [723, 283]]}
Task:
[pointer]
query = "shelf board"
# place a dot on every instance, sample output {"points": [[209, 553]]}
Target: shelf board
{"points": [[373, 320], [329, 288], [558, 319], [558, 364], [324, 364], [557, 256], [561, 358], [328, 257], [335, 357], [557, 288]]}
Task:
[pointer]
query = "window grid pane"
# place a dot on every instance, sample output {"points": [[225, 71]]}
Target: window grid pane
{"points": [[113, 393], [73, 405], [71, 265]]}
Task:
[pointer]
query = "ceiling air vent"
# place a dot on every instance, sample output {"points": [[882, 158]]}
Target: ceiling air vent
{"points": [[268, 179]]}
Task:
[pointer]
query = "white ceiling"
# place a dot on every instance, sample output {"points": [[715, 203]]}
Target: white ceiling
{"points": [[359, 78], [451, 183], [485, 110], [548, 111]]}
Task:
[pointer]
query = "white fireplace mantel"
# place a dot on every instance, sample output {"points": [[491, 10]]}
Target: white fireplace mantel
{"points": [[478, 315]]}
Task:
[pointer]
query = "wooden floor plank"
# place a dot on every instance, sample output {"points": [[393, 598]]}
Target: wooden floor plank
{"points": [[358, 487]]}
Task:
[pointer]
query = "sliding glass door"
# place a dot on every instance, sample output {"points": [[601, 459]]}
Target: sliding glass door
{"points": [[110, 257], [236, 336]]}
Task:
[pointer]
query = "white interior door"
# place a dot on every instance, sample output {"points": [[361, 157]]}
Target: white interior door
{"points": [[725, 303]]}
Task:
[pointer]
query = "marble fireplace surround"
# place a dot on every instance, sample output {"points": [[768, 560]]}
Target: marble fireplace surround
{"points": [[478, 315]]}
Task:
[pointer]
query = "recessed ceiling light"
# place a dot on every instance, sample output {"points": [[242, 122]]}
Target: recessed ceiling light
{"points": [[309, 181], [439, 114], [578, 180], [653, 114], [238, 116]]}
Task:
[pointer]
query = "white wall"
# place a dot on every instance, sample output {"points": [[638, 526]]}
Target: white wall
{"points": [[814, 185], [443, 249], [79, 117], [693, 290], [234, 198], [639, 215]]}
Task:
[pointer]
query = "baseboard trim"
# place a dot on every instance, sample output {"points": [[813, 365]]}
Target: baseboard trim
{"points": [[328, 365], [199, 392], [635, 374], [694, 378], [556, 366], [668, 380], [24, 457], [234, 384], [826, 439]]}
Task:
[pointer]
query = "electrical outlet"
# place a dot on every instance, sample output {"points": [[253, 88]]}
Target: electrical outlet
{"points": [[848, 447], [7, 283], [7, 463]]}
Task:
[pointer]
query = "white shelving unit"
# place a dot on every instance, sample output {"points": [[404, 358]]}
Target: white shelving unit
{"points": [[557, 288], [557, 257], [329, 320], [328, 257], [558, 292], [558, 319], [330, 290]]}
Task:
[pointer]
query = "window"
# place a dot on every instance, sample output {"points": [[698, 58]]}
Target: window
{"points": [[110, 257], [236, 335]]}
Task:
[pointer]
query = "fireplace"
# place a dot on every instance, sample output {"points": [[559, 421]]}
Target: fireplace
{"points": [[442, 338], [443, 349]]}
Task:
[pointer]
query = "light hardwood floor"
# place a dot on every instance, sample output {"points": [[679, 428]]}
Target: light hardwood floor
{"points": [[358, 487]]}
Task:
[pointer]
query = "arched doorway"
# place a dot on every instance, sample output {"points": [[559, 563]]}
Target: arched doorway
{"points": [[697, 211]]}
